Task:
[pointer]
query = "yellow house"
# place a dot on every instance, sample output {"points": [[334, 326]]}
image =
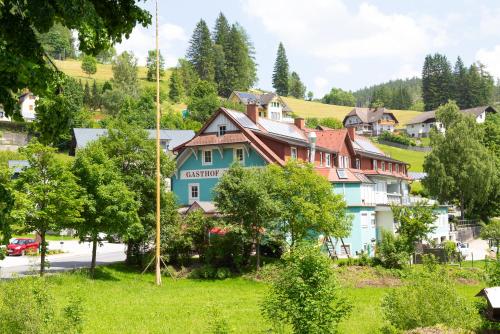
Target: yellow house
{"points": [[271, 105]]}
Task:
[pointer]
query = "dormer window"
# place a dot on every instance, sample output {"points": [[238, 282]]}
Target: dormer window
{"points": [[358, 164], [222, 130]]}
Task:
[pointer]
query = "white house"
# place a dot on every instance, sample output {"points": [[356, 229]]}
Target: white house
{"points": [[27, 103], [421, 125], [271, 105], [370, 121]]}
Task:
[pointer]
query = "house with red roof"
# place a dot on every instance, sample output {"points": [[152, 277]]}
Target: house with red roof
{"points": [[369, 180]]}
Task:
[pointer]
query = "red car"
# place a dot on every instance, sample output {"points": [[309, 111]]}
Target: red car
{"points": [[21, 246]]}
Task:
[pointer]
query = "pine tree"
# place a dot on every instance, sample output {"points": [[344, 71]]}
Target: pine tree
{"points": [[437, 81], [200, 52], [87, 97], [151, 65], [280, 73], [460, 89], [175, 92], [474, 87], [401, 99], [382, 97], [239, 66], [96, 97], [221, 30], [487, 86], [296, 88]]}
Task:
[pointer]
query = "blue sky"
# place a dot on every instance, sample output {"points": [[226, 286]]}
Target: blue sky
{"points": [[337, 43]]}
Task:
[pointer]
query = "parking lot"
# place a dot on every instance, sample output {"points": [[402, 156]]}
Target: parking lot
{"points": [[75, 255]]}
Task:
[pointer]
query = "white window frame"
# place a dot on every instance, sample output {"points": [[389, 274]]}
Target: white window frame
{"points": [[190, 192], [242, 161], [328, 160], [341, 161], [358, 163], [220, 128], [375, 164], [346, 162], [321, 158], [390, 167], [293, 152], [397, 168], [382, 166], [204, 162]]}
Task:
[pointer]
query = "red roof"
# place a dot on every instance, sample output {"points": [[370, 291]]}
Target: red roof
{"points": [[332, 176], [214, 139], [331, 139]]}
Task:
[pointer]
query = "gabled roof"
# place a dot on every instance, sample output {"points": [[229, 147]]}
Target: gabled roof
{"points": [[214, 139], [430, 116], [260, 99], [369, 115], [492, 295], [479, 110], [175, 137]]}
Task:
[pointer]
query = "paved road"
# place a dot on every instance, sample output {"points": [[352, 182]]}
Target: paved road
{"points": [[77, 255]]}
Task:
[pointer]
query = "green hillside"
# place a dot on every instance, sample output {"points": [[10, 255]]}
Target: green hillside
{"points": [[414, 158], [321, 110]]}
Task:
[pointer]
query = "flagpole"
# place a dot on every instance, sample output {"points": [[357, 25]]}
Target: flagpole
{"points": [[158, 171]]}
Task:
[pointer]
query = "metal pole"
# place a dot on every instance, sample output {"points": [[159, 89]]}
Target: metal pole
{"points": [[158, 172]]}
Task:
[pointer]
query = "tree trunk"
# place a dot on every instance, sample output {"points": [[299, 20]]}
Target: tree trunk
{"points": [[94, 255], [128, 259], [257, 252], [43, 252], [498, 250], [462, 208]]}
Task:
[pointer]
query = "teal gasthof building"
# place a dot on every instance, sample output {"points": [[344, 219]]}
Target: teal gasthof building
{"points": [[368, 179]]}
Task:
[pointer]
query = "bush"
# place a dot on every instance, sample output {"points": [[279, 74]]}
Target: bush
{"points": [[210, 272], [493, 273], [427, 301], [305, 294], [399, 139], [27, 306], [391, 251]]}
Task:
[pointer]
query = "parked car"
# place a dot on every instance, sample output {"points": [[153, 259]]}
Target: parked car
{"points": [[21, 246], [463, 249]]}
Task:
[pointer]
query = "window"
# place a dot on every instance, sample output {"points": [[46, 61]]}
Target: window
{"points": [[346, 162], [328, 157], [31, 107], [293, 152], [194, 192], [358, 164], [238, 155], [275, 116], [321, 158], [341, 161], [207, 157], [375, 167], [222, 130], [383, 165], [397, 168], [390, 167]]}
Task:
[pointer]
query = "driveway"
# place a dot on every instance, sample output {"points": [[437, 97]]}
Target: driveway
{"points": [[478, 249], [76, 255]]}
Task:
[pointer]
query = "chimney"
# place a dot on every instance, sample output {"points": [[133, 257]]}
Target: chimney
{"points": [[300, 122], [253, 111], [352, 132]]}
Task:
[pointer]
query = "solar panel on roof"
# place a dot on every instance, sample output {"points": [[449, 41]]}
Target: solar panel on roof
{"points": [[341, 173], [281, 128]]}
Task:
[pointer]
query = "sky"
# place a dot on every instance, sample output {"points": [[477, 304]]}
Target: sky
{"points": [[347, 44]]}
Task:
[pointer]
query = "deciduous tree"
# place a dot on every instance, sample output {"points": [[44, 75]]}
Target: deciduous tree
{"points": [[295, 86], [89, 65], [125, 74], [203, 101], [151, 65]]}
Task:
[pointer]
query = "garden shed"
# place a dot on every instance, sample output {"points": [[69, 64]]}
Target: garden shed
{"points": [[492, 296]]}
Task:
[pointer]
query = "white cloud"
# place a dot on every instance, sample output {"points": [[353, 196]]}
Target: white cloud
{"points": [[490, 58], [342, 68], [328, 29], [320, 86], [407, 71], [172, 39]]}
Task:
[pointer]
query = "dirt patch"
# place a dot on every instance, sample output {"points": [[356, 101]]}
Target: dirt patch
{"points": [[360, 276], [436, 330]]}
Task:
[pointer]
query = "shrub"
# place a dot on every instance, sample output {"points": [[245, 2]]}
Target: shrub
{"points": [[427, 301], [493, 273], [27, 306], [305, 294], [223, 273], [399, 139], [210, 272], [391, 251]]}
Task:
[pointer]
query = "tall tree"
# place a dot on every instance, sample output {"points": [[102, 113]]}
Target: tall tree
{"points": [[176, 90], [296, 88], [221, 30], [382, 97], [243, 198], [203, 101], [58, 42], [487, 86], [188, 76], [339, 97], [99, 23], [47, 196], [89, 65], [280, 73], [87, 96], [6, 205], [491, 232], [307, 203], [221, 41], [437, 81], [459, 168], [96, 97], [200, 52], [111, 207], [401, 99], [125, 74], [151, 65], [460, 84]]}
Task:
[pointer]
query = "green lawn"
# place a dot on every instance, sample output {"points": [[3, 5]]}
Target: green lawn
{"points": [[123, 301], [48, 237], [414, 158]]}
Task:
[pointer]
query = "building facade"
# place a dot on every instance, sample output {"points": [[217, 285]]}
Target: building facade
{"points": [[368, 180], [271, 105], [370, 121]]}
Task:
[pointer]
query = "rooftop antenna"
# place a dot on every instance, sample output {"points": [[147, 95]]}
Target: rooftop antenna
{"points": [[158, 171]]}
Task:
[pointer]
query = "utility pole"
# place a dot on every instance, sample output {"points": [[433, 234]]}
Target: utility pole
{"points": [[158, 171]]}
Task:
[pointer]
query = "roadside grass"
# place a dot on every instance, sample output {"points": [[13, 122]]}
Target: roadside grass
{"points": [[5, 156], [48, 237], [121, 300], [321, 110], [414, 158]]}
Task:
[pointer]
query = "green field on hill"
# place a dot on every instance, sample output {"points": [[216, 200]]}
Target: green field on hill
{"points": [[414, 158], [321, 110]]}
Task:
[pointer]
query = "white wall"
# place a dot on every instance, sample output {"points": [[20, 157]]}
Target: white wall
{"points": [[423, 129], [28, 108], [481, 118], [220, 120], [275, 112]]}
